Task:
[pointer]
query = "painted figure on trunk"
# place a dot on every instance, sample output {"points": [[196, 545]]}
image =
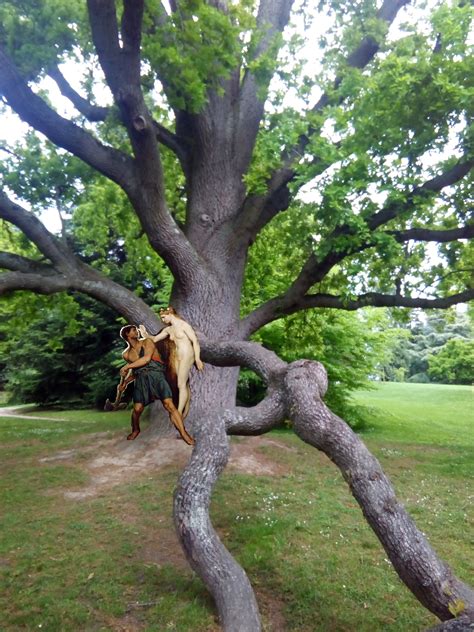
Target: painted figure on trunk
{"points": [[145, 364], [183, 353]]}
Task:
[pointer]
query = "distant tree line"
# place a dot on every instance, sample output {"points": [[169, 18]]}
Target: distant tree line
{"points": [[438, 347]]}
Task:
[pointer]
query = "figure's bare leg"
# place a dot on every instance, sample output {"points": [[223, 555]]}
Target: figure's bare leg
{"points": [[136, 414], [183, 388], [177, 420], [185, 412], [183, 397]]}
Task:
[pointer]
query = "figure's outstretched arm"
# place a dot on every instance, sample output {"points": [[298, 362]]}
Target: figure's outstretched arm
{"points": [[146, 336]]}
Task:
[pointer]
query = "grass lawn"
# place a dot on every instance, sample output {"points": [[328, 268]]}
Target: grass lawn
{"points": [[111, 561]]}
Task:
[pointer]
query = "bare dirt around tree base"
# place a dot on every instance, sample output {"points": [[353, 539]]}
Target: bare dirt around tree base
{"points": [[114, 461]]}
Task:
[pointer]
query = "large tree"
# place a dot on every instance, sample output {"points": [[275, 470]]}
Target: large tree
{"points": [[213, 127]]}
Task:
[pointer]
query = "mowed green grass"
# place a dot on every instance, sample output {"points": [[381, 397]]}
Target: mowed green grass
{"points": [[435, 414], [111, 562]]}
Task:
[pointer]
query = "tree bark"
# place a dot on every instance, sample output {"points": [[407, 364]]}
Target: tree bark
{"points": [[225, 579], [296, 391], [428, 577]]}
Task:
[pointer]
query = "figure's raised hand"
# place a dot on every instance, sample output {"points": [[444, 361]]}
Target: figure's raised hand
{"points": [[142, 331]]}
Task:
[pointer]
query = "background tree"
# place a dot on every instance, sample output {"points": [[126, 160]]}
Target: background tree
{"points": [[453, 363], [427, 337], [209, 156]]}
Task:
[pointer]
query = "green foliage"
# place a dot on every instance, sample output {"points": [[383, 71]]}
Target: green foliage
{"points": [[52, 351], [195, 49], [36, 34], [353, 347], [453, 363]]}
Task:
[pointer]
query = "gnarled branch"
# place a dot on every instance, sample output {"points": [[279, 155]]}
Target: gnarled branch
{"points": [[428, 577], [302, 386]]}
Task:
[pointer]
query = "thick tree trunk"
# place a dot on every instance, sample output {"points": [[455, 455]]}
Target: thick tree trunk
{"points": [[212, 310]]}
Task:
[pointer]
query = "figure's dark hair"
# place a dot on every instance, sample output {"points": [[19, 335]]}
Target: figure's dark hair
{"points": [[125, 330]]}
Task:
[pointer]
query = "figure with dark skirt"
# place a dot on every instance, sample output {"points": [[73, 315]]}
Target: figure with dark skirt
{"points": [[150, 383]]}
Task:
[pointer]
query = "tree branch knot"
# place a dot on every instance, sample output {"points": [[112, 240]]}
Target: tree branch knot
{"points": [[312, 372]]}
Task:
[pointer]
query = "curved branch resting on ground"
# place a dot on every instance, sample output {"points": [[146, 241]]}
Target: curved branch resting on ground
{"points": [[430, 579], [225, 579]]}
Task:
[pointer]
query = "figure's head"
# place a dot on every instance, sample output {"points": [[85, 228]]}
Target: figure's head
{"points": [[166, 314], [129, 332]]}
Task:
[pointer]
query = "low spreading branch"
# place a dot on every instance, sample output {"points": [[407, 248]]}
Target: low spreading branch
{"points": [[278, 307], [44, 279], [17, 263], [35, 282], [34, 229], [315, 268]]}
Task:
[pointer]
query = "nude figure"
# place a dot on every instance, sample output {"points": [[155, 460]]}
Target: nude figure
{"points": [[187, 351]]}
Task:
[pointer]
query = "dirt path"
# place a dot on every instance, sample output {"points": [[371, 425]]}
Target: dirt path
{"points": [[11, 411]]}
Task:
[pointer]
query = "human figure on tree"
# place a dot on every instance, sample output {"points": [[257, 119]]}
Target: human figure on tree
{"points": [[183, 353], [144, 359]]}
